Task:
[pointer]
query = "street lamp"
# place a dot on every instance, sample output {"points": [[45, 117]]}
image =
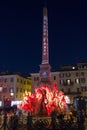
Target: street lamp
{"points": [[12, 94]]}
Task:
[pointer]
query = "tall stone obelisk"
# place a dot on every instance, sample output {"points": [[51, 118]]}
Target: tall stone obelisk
{"points": [[45, 73]]}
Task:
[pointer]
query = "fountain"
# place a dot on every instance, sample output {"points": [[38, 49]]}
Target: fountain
{"points": [[44, 100]]}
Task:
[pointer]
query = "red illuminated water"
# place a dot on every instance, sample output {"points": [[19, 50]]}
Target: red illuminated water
{"points": [[44, 100]]}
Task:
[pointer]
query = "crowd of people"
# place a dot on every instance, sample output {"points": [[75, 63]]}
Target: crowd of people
{"points": [[59, 120]]}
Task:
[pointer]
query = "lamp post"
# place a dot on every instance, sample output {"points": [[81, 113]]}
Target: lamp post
{"points": [[12, 94]]}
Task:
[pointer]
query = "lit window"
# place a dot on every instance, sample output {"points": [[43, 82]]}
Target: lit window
{"points": [[77, 81], [62, 82], [11, 89], [68, 81]]}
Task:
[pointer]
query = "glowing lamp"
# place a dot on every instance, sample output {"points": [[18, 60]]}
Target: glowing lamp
{"points": [[12, 94]]}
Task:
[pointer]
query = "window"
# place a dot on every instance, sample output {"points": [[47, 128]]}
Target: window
{"points": [[20, 89], [11, 80], [24, 82], [68, 81], [77, 81], [36, 78], [4, 90], [85, 67], [28, 82], [82, 80], [17, 80], [68, 74], [69, 90], [62, 82], [61, 75], [21, 81], [11, 89], [82, 73], [83, 88], [78, 90], [54, 77], [17, 89], [77, 74], [5, 80]]}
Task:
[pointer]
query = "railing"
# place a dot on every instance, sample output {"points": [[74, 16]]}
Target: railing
{"points": [[36, 123]]}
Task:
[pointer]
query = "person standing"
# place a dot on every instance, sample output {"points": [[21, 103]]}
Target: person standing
{"points": [[80, 120]]}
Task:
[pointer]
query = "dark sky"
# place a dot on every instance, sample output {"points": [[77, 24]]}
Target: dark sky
{"points": [[21, 34]]}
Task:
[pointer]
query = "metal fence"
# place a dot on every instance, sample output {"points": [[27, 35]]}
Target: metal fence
{"points": [[36, 123]]}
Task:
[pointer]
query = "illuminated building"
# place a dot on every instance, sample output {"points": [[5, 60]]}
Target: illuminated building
{"points": [[12, 87], [72, 80]]}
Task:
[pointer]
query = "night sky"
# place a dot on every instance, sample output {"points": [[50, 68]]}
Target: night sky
{"points": [[21, 34]]}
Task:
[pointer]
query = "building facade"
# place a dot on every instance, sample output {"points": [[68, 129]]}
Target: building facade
{"points": [[72, 80], [12, 87], [35, 79]]}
